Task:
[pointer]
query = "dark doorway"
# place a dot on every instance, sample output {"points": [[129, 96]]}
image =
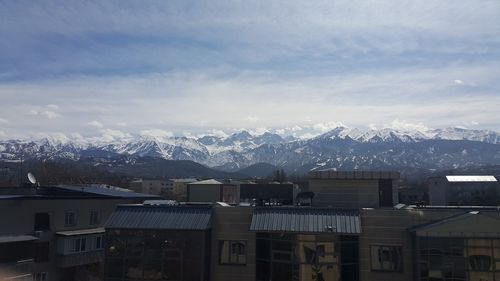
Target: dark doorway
{"points": [[42, 222], [385, 192], [349, 256]]}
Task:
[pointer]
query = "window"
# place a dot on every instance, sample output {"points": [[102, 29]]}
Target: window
{"points": [[95, 217], [386, 258], [480, 262], [42, 250], [40, 276], [70, 218], [232, 252], [85, 244], [98, 242]]}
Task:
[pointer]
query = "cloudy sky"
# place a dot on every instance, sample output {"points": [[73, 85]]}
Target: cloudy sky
{"points": [[162, 67]]}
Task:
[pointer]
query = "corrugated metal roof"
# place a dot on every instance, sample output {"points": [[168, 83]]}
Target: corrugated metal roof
{"points": [[304, 219], [471, 178], [160, 217], [113, 192], [471, 224]]}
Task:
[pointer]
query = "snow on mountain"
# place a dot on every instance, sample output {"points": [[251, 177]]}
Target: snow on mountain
{"points": [[342, 147], [458, 133]]}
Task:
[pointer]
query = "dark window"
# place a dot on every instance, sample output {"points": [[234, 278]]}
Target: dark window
{"points": [[386, 258], [232, 252], [98, 242], [480, 263], [40, 276], [95, 217], [385, 192], [42, 252], [70, 218], [42, 221]]}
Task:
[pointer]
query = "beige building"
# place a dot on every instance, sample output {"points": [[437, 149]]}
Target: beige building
{"points": [[213, 191], [163, 188], [180, 187]]}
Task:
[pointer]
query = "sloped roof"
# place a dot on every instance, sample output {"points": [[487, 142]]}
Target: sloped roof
{"points": [[211, 181], [472, 224], [306, 220], [160, 217], [111, 192]]}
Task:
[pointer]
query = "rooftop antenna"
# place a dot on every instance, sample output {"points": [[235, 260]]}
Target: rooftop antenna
{"points": [[32, 179]]}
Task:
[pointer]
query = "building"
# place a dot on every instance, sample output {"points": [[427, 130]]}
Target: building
{"points": [[56, 233], [159, 187], [269, 193], [180, 188], [368, 241], [464, 190], [354, 189], [213, 191]]}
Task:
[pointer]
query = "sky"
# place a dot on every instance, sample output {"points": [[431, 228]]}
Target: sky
{"points": [[112, 68]]}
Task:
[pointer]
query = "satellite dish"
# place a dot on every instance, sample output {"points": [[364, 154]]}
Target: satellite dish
{"points": [[31, 178]]}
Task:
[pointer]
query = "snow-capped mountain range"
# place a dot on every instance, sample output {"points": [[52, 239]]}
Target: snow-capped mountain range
{"points": [[340, 148]]}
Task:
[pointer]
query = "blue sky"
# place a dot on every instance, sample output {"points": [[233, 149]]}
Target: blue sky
{"points": [[118, 67]]}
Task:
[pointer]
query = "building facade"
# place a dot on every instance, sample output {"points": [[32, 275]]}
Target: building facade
{"points": [[56, 233], [360, 240]]}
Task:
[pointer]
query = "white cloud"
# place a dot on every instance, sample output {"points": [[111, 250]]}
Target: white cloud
{"points": [[4, 121], [458, 81], [251, 119], [327, 126], [217, 133], [109, 135], [157, 133], [257, 131], [402, 125], [95, 124], [45, 113], [474, 123], [280, 132], [53, 106], [121, 124], [3, 134], [372, 126], [306, 136]]}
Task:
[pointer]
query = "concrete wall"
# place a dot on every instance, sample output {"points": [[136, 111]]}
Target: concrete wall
{"points": [[204, 192], [345, 193], [232, 223], [438, 187], [389, 227]]}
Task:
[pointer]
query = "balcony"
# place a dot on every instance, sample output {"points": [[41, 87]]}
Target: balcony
{"points": [[80, 259]]}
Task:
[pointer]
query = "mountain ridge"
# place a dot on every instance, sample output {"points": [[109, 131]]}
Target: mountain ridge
{"points": [[339, 148]]}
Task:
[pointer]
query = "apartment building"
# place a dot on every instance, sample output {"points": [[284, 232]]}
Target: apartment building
{"points": [[463, 190], [56, 233]]}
